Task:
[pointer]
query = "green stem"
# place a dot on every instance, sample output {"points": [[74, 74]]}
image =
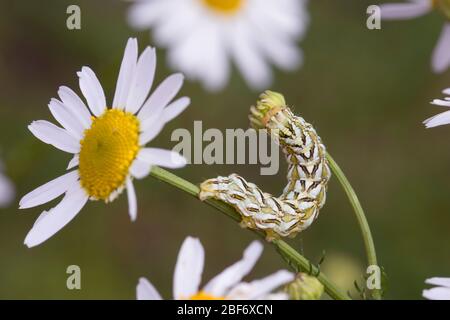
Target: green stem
{"points": [[360, 217], [286, 251]]}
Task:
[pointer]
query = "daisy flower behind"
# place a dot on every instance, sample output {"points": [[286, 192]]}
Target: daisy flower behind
{"points": [[226, 285], [108, 144], [441, 118], [203, 36], [441, 292], [7, 190], [416, 8]]}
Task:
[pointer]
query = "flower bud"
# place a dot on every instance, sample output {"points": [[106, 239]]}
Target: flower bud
{"points": [[269, 104], [305, 287]]}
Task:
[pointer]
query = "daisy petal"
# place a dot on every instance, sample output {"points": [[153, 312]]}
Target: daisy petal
{"points": [[220, 284], [66, 118], [162, 157], [175, 108], [48, 133], [185, 55], [165, 92], [277, 296], [140, 169], [181, 18], [49, 191], [442, 103], [394, 11], [287, 19], [250, 62], [188, 270], [212, 65], [441, 54], [151, 132], [439, 281], [132, 202], [438, 120], [282, 53], [259, 288], [146, 291], [92, 90], [447, 91], [126, 74], [54, 220], [75, 105], [145, 13], [74, 162], [142, 81], [438, 293]]}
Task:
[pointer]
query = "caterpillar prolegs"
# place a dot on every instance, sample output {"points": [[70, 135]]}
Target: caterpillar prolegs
{"points": [[308, 175]]}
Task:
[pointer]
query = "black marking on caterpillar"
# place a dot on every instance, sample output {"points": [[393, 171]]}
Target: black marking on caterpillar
{"points": [[308, 175]]}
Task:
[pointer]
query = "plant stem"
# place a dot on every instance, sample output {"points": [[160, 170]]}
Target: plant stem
{"points": [[360, 217], [287, 252]]}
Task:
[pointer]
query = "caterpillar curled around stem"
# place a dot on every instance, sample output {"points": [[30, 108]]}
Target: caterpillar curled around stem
{"points": [[308, 175]]}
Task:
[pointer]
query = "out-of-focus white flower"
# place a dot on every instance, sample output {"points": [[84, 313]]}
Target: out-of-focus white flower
{"points": [[226, 285], [203, 36], [7, 190], [416, 8], [441, 118], [441, 292], [107, 144]]}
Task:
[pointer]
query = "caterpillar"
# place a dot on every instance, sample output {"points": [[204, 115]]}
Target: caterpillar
{"points": [[308, 175]]}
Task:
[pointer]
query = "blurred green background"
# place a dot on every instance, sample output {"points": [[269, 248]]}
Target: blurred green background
{"points": [[365, 91]]}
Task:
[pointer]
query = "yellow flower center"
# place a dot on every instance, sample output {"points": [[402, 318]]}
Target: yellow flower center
{"points": [[202, 295], [107, 152], [443, 6], [224, 6]]}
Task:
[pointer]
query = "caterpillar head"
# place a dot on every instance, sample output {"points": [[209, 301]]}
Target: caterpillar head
{"points": [[268, 105], [272, 114], [214, 187]]}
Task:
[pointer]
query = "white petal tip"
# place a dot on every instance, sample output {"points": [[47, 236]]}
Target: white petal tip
{"points": [[180, 162], [28, 243], [179, 75], [434, 124]]}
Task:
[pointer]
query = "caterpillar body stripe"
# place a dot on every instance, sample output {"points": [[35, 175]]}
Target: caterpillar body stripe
{"points": [[308, 175]]}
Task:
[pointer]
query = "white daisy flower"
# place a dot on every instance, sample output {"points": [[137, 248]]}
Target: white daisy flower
{"points": [[226, 285], [7, 190], [441, 292], [108, 144], [441, 118], [203, 36], [416, 8]]}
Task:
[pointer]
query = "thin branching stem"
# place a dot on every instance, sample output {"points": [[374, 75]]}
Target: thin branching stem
{"points": [[360, 217], [295, 259]]}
